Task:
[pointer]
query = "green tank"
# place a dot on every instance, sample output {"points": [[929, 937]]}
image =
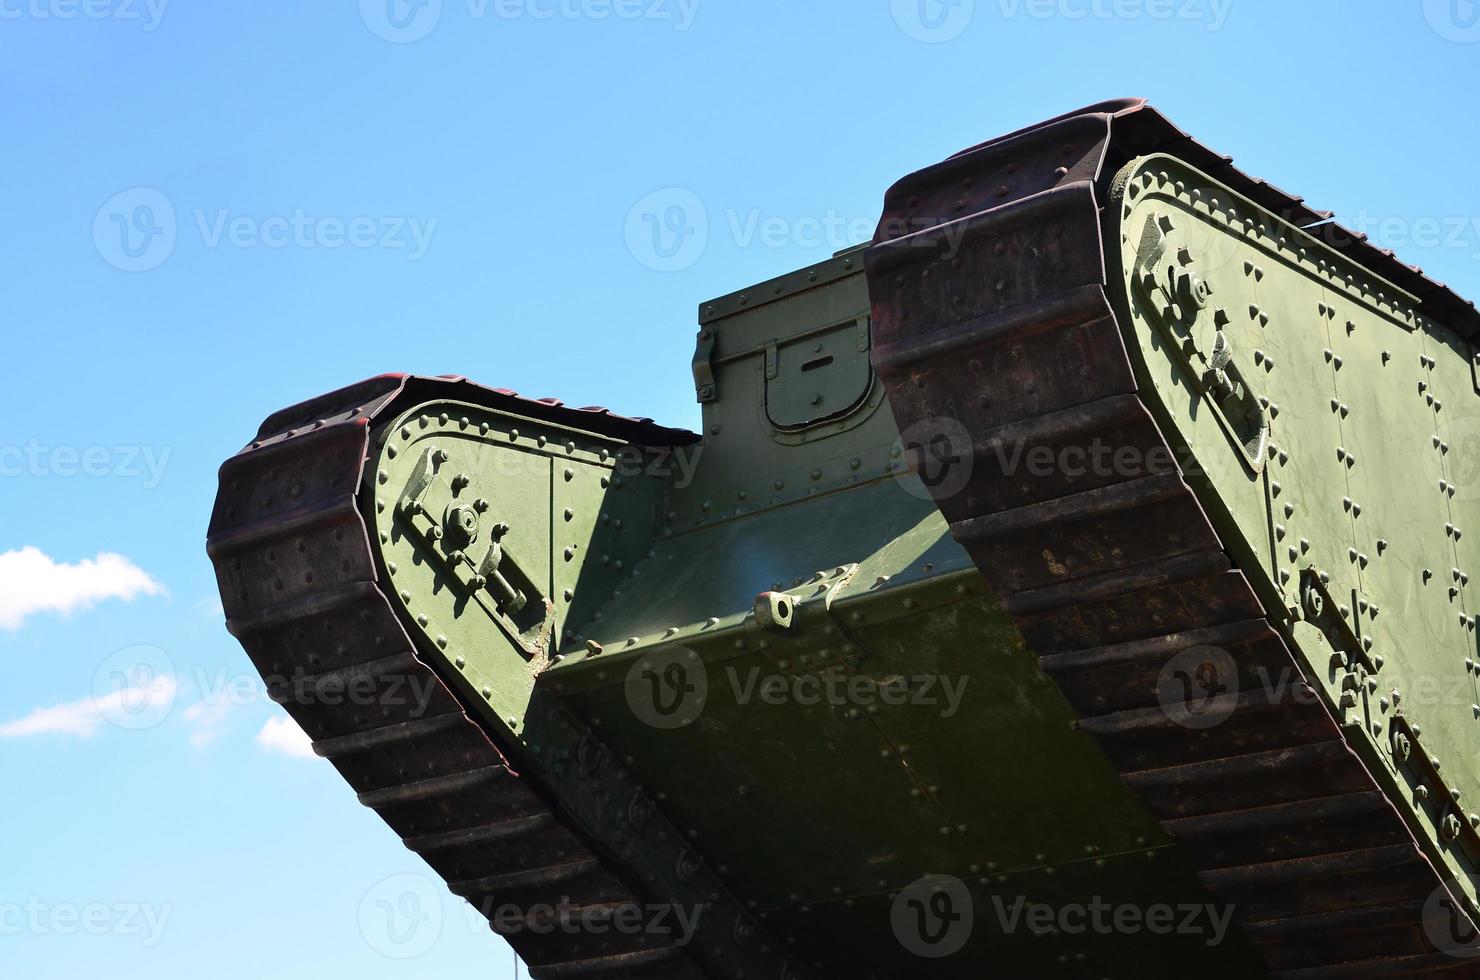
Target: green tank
{"points": [[1072, 582]]}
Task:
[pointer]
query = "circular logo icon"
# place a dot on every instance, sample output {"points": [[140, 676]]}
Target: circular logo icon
{"points": [[1454, 20], [668, 230], [401, 917], [135, 688], [1198, 688], [401, 21], [668, 688], [1449, 927], [933, 917], [134, 231], [938, 456], [1463, 458], [933, 21]]}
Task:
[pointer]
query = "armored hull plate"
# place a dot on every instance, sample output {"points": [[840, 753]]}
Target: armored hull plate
{"points": [[1241, 552]]}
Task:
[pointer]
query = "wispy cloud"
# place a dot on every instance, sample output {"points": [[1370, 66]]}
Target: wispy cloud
{"points": [[32, 582], [207, 718], [83, 719], [282, 734], [210, 607]]}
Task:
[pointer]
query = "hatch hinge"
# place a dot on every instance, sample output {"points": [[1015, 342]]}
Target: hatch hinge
{"points": [[704, 384]]}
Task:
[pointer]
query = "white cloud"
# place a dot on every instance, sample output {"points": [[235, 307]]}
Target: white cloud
{"points": [[207, 718], [282, 734], [31, 582], [82, 719]]}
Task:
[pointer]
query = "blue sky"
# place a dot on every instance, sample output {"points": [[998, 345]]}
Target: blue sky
{"points": [[216, 209]]}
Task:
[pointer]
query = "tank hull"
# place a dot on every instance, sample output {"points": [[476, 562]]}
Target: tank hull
{"points": [[1012, 612]]}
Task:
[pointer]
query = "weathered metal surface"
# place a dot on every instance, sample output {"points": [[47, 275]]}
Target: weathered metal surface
{"points": [[745, 807], [303, 593], [1006, 318], [598, 613]]}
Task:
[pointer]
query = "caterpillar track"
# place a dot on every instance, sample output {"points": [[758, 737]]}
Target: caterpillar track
{"points": [[490, 613], [1005, 316], [302, 590]]}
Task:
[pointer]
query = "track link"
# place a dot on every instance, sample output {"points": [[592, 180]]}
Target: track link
{"points": [[299, 583], [995, 318]]}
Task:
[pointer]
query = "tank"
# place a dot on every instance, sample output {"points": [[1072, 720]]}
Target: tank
{"points": [[1072, 582]]}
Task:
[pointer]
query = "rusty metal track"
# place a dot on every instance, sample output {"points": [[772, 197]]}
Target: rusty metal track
{"points": [[995, 318], [299, 582]]}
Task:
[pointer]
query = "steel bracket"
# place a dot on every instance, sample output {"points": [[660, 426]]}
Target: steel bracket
{"points": [[1430, 790], [1179, 301], [705, 387], [1321, 610]]}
